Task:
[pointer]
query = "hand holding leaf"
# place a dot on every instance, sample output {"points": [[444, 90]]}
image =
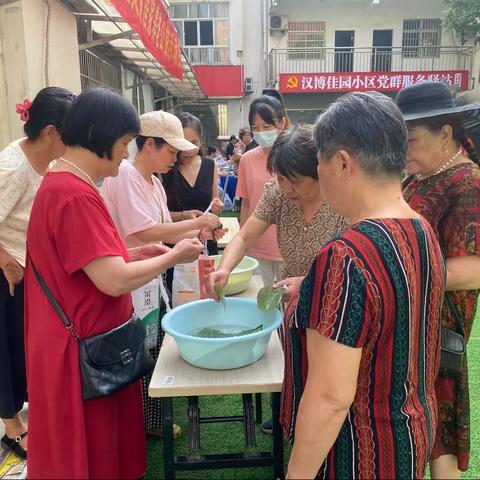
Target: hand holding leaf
{"points": [[269, 298]]}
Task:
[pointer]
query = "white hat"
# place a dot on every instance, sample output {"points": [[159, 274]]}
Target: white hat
{"points": [[164, 125]]}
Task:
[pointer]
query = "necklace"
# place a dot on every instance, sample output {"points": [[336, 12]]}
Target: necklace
{"points": [[444, 166], [85, 174]]}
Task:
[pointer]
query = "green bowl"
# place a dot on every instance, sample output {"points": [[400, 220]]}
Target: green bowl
{"points": [[241, 275]]}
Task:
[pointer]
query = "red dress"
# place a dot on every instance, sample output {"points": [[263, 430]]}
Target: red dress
{"points": [[70, 438]]}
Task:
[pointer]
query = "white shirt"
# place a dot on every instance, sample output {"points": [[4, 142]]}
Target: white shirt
{"points": [[134, 204], [19, 183]]}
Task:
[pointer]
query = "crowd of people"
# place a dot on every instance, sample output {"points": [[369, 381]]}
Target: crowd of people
{"points": [[368, 220]]}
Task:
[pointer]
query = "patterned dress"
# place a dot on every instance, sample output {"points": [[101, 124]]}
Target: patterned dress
{"points": [[298, 240], [379, 287], [450, 201]]}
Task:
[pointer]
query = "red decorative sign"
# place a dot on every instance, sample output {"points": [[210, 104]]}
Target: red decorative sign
{"points": [[220, 80], [150, 19], [366, 81]]}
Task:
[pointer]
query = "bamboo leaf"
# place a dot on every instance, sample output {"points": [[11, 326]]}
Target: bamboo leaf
{"points": [[221, 295], [269, 298]]}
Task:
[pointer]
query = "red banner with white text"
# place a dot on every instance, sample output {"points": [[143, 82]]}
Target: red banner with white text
{"points": [[366, 81], [150, 19]]}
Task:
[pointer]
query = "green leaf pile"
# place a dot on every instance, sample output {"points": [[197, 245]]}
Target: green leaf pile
{"points": [[225, 332], [269, 298]]}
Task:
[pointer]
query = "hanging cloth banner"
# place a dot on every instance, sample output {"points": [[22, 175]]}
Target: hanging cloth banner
{"points": [[150, 19]]}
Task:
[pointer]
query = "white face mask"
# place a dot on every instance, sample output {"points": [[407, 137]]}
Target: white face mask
{"points": [[266, 139]]}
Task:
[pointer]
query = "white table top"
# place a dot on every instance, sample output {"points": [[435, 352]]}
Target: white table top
{"points": [[233, 227], [173, 377]]}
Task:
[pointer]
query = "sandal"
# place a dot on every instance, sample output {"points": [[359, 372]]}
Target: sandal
{"points": [[13, 444], [155, 432]]}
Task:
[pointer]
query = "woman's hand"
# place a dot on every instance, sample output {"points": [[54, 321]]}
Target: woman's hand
{"points": [[292, 284], [217, 277], [216, 234], [217, 206], [12, 270], [207, 220], [147, 251], [191, 214], [187, 250]]}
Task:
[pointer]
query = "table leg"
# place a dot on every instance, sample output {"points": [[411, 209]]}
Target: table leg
{"points": [[168, 454], [277, 437], [258, 408]]}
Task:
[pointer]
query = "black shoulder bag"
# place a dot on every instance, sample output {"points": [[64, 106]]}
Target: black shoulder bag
{"points": [[452, 343], [111, 360]]}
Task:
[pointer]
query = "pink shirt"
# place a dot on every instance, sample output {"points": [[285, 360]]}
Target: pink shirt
{"points": [[134, 204], [252, 176]]}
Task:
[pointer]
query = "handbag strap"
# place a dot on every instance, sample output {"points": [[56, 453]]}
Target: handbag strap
{"points": [[454, 312], [53, 301]]}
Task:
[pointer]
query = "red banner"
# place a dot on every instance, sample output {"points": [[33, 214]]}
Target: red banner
{"points": [[150, 19], [366, 81]]}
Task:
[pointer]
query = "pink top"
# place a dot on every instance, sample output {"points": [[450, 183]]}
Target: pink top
{"points": [[252, 176], [134, 204]]}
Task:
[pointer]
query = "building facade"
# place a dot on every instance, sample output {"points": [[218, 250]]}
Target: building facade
{"points": [[320, 49], [78, 44], [226, 42]]}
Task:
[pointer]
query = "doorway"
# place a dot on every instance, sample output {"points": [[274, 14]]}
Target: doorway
{"points": [[344, 42], [382, 50]]}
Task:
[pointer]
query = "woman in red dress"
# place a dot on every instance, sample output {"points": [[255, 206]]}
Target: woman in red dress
{"points": [[444, 187], [74, 244]]}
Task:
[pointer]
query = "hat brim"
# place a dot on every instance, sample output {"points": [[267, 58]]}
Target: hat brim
{"points": [[180, 143], [470, 111]]}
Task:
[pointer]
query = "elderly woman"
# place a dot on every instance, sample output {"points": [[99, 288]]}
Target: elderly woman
{"points": [[295, 204], [23, 164], [444, 186], [76, 248], [361, 346]]}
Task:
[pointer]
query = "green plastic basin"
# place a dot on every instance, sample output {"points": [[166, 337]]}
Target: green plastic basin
{"points": [[240, 277]]}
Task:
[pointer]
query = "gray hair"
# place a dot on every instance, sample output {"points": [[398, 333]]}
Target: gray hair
{"points": [[370, 127]]}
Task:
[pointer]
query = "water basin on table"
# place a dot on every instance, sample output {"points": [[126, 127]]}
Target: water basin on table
{"points": [[221, 353]]}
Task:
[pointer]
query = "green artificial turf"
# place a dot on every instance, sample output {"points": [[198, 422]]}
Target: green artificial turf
{"points": [[228, 438]]}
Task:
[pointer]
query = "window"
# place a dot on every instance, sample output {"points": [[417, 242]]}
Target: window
{"points": [[203, 30], [308, 36], [191, 33], [422, 38]]}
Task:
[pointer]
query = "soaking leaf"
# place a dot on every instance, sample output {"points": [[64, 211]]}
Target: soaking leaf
{"points": [[225, 331], [220, 294], [269, 298]]}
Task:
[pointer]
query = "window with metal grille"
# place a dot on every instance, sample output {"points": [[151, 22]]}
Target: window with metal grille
{"points": [[307, 38], [203, 29], [422, 38], [97, 72]]}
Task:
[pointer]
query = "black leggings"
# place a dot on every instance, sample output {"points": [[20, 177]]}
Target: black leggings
{"points": [[13, 383]]}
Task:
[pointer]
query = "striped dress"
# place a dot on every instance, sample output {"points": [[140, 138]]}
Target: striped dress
{"points": [[378, 286]]}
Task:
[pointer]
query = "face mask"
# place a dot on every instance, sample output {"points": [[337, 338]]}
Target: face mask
{"points": [[266, 139]]}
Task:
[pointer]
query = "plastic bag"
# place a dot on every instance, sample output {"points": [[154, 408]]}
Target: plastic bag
{"points": [[189, 281]]}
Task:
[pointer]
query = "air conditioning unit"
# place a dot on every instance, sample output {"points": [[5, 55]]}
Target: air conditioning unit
{"points": [[275, 21], [278, 25], [248, 85]]}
